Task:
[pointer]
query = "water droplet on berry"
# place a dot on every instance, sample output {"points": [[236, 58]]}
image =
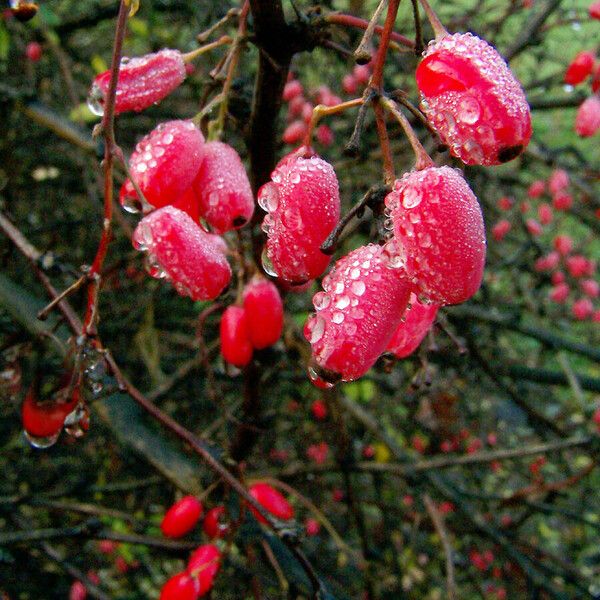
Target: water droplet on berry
{"points": [[469, 110], [318, 329], [267, 264], [337, 318], [77, 421], [358, 288], [343, 302], [42, 442], [321, 301], [132, 205], [153, 267], [295, 177], [411, 197]]}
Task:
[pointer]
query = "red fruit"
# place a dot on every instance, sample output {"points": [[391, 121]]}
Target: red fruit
{"points": [[318, 452], [579, 266], [536, 189], [473, 100], [500, 229], [181, 251], [505, 203], [77, 591], [324, 135], [294, 132], [408, 500], [446, 446], [180, 587], [264, 312], [295, 107], [349, 84], [418, 443], [223, 189], [558, 181], [319, 410], [107, 546], [33, 51], [545, 213], [559, 293], [363, 301], [596, 80], [492, 438], [474, 446], [361, 74], [445, 508], [438, 233], [303, 205], [213, 526], [292, 89], [533, 227], [312, 527], [594, 10], [272, 501], [307, 112], [580, 68], [368, 451], [143, 81], [582, 309], [182, 517], [557, 277], [564, 244], [587, 120], [236, 346], [524, 207], [417, 321], [596, 316], [204, 564], [562, 201], [596, 417], [164, 165], [590, 287], [337, 495], [548, 262], [43, 421]]}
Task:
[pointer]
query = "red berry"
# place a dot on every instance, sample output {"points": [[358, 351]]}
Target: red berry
{"points": [[562, 201], [417, 321], [338, 495], [303, 205], [264, 312], [533, 227], [596, 417], [471, 97], [500, 229], [204, 564], [564, 244], [212, 525], [318, 452], [319, 410], [236, 346], [548, 262], [143, 81], [223, 189], [368, 451], [594, 10], [558, 181], [361, 74], [182, 517], [580, 266], [587, 120], [164, 164], [324, 135], [180, 587], [445, 508], [590, 287], [181, 251], [292, 89], [580, 68], [559, 293], [557, 277], [45, 420], [307, 112], [536, 189], [349, 84], [272, 501], [505, 203], [294, 132], [295, 107], [312, 527], [582, 309], [545, 213], [33, 51], [438, 233], [362, 302], [77, 591]]}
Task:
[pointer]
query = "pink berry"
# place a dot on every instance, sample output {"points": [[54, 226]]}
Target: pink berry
{"points": [[212, 525], [417, 321], [564, 244], [33, 51], [594, 10], [558, 181], [587, 120], [294, 132], [363, 301], [559, 293], [500, 229], [582, 309], [545, 213], [596, 79], [438, 233], [536, 189], [580, 68], [361, 74], [182, 517], [471, 97], [236, 346], [203, 566], [562, 201], [181, 251], [164, 164], [307, 112], [312, 527], [295, 107], [180, 587], [590, 287], [303, 205], [505, 203], [292, 89], [580, 266], [324, 135], [349, 84], [548, 262], [264, 312], [558, 277], [533, 227], [318, 452], [223, 189], [77, 591], [319, 410], [272, 501], [143, 81]]}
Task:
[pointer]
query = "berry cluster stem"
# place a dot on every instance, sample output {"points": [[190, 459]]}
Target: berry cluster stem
{"points": [[439, 30], [222, 41], [321, 111]]}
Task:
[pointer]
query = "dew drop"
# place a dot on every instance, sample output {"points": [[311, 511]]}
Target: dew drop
{"points": [[95, 101], [343, 302], [321, 301], [42, 442], [358, 288], [337, 317], [318, 329], [267, 265], [411, 197]]}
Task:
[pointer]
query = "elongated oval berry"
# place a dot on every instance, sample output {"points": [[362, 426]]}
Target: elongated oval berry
{"points": [[182, 517], [363, 299], [272, 501], [143, 81], [580, 68], [164, 165], [180, 587], [473, 100], [204, 564], [181, 251], [587, 119], [417, 321], [213, 526], [303, 205], [438, 233], [264, 312], [236, 346], [223, 189]]}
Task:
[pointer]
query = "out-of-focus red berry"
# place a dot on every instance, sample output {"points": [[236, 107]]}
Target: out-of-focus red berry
{"points": [[559, 293], [505, 203], [536, 189], [182, 517], [264, 312], [213, 526], [33, 51], [587, 120], [272, 501], [324, 135], [318, 452], [590, 287], [319, 410], [545, 213], [236, 346], [292, 89], [204, 564], [579, 266], [564, 244], [580, 68], [500, 229], [533, 227], [349, 84], [312, 527], [558, 181], [294, 132], [562, 201], [77, 591], [594, 10], [582, 309]]}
